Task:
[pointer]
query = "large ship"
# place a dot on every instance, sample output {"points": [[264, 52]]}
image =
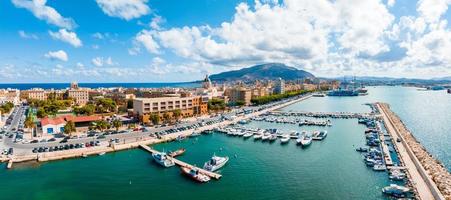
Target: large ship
{"points": [[343, 93]]}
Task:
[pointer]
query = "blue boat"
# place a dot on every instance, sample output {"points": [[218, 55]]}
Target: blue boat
{"points": [[343, 93]]}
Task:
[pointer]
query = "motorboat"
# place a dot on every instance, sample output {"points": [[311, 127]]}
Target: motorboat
{"points": [[215, 163], [395, 190], [306, 140], [163, 159], [379, 167], [195, 174], [272, 138], [248, 134], [258, 136], [266, 136], [285, 139], [319, 135], [177, 152]]}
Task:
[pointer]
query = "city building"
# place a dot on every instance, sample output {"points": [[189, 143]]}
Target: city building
{"points": [[239, 94], [279, 86], [56, 125], [188, 105], [80, 95], [9, 95]]}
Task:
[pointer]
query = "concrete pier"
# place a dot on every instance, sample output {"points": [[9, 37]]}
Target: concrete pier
{"points": [[422, 181], [345, 115], [184, 164]]}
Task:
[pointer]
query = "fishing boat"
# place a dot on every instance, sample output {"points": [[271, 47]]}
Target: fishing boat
{"points": [[306, 140], [195, 174], [177, 153], [379, 167], [163, 159], [215, 163], [285, 139], [395, 190]]}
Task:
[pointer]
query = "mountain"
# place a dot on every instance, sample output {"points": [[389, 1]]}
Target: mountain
{"points": [[269, 71]]}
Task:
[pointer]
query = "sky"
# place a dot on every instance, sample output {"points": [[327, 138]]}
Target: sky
{"points": [[182, 40]]}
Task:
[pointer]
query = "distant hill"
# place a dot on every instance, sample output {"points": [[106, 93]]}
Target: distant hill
{"points": [[269, 71]]}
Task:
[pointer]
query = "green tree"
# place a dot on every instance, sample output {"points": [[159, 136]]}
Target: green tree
{"points": [[105, 105], [101, 125], [177, 114], [166, 117], [41, 113], [29, 122], [216, 104], [155, 119], [117, 124], [69, 128], [240, 103]]}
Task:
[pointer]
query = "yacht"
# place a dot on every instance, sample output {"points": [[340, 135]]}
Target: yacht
{"points": [[163, 159], [285, 139], [379, 167], [395, 190], [306, 140], [195, 175], [273, 138], [266, 136], [319, 135], [215, 163]]}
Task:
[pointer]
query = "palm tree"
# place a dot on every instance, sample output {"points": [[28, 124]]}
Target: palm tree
{"points": [[166, 117], [29, 123], [117, 124], [101, 125]]}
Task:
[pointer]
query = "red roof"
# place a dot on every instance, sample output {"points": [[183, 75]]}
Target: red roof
{"points": [[76, 119], [54, 121], [64, 119]]}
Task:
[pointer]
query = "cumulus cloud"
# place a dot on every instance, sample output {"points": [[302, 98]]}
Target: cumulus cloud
{"points": [[25, 35], [125, 9], [41, 11], [432, 10], [101, 61], [146, 39], [57, 55], [66, 36]]}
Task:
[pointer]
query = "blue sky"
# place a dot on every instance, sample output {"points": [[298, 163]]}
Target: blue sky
{"points": [[182, 40]]}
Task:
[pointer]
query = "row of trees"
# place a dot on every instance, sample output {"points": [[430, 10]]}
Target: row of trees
{"points": [[102, 105], [276, 97], [50, 106], [7, 107], [216, 104], [167, 116]]}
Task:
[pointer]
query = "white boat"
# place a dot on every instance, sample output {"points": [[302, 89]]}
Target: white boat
{"points": [[248, 134], [163, 159], [273, 137], [379, 167], [266, 136], [195, 175], [319, 135], [395, 190], [285, 139], [257, 136], [215, 163], [240, 133], [306, 140], [101, 153]]}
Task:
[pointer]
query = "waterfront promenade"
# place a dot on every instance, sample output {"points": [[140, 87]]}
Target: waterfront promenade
{"points": [[136, 142], [422, 181]]}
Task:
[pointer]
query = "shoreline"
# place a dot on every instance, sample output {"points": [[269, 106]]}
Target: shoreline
{"points": [[78, 153], [430, 178]]}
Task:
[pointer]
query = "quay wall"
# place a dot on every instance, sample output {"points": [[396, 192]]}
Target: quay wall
{"points": [[436, 176]]}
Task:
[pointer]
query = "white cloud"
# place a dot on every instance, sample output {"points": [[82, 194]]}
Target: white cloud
{"points": [[66, 36], [156, 22], [146, 39], [101, 61], [57, 55], [125, 9], [391, 3], [25, 35], [41, 11], [432, 10]]}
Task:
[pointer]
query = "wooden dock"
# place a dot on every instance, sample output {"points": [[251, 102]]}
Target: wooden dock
{"points": [[184, 164]]}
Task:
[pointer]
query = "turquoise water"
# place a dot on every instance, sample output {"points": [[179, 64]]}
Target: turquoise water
{"points": [[426, 113], [329, 169]]}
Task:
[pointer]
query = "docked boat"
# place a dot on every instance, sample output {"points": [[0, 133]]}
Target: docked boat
{"points": [[177, 153], [379, 167], [266, 136], [397, 175], [248, 134], [319, 135], [258, 136], [319, 95], [195, 174], [362, 149], [163, 159], [195, 134], [101, 153], [215, 163], [306, 140], [272, 138], [396, 190], [285, 139]]}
